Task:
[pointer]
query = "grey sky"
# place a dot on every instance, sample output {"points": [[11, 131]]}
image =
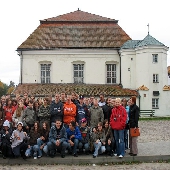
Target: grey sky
{"points": [[20, 18]]}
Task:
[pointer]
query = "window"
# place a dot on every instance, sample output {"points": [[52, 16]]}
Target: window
{"points": [[110, 73], [155, 78], [78, 72], [155, 58], [155, 103], [45, 73]]}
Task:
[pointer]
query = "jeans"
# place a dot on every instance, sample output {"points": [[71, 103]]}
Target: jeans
{"points": [[62, 147], [84, 146], [20, 149], [98, 148], [32, 151], [120, 145], [45, 148], [126, 138], [74, 147]]}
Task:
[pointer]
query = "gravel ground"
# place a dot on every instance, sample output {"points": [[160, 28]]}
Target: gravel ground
{"points": [[152, 131], [142, 166]]}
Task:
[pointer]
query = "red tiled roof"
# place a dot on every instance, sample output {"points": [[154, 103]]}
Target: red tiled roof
{"points": [[85, 89], [79, 16], [76, 30]]}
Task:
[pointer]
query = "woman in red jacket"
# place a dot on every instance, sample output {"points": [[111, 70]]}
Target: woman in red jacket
{"points": [[9, 110], [117, 123]]}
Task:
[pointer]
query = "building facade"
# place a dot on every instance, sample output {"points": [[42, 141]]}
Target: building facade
{"points": [[83, 48]]}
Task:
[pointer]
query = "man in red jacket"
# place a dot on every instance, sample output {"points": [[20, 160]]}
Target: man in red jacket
{"points": [[118, 122]]}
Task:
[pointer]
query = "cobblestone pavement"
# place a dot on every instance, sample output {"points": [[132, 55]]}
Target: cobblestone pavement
{"points": [[142, 166], [152, 131]]}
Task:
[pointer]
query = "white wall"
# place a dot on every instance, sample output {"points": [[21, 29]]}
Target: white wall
{"points": [[128, 67], [141, 73], [62, 65]]}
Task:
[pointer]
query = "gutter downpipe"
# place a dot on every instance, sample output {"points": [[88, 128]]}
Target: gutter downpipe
{"points": [[139, 100], [120, 84]]}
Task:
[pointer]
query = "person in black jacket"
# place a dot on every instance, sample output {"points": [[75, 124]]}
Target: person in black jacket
{"points": [[5, 135], [107, 110], [133, 122], [85, 133], [56, 110], [57, 139], [81, 111]]}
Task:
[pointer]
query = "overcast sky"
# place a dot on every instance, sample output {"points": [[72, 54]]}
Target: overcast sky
{"points": [[19, 18]]}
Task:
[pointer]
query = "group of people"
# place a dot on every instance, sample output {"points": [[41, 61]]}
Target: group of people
{"points": [[69, 124]]}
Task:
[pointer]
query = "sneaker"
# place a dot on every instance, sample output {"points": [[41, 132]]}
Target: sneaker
{"points": [[120, 156], [75, 155], [35, 157], [39, 156], [62, 156], [115, 154], [4, 157], [26, 155], [94, 156]]}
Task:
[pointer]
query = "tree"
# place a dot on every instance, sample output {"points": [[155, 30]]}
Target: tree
{"points": [[10, 90], [3, 88]]}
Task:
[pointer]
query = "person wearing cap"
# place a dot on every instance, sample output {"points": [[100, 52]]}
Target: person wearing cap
{"points": [[18, 145], [82, 110], [5, 135], [85, 133]]}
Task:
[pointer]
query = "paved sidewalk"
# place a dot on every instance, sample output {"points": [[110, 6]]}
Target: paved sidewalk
{"points": [[154, 148], [148, 152], [154, 145]]}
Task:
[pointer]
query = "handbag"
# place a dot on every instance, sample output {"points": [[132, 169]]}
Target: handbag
{"points": [[134, 132]]}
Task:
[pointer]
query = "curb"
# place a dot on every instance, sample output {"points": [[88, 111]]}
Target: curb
{"points": [[83, 160]]}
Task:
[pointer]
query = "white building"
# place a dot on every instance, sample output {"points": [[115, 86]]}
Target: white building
{"points": [[86, 49]]}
